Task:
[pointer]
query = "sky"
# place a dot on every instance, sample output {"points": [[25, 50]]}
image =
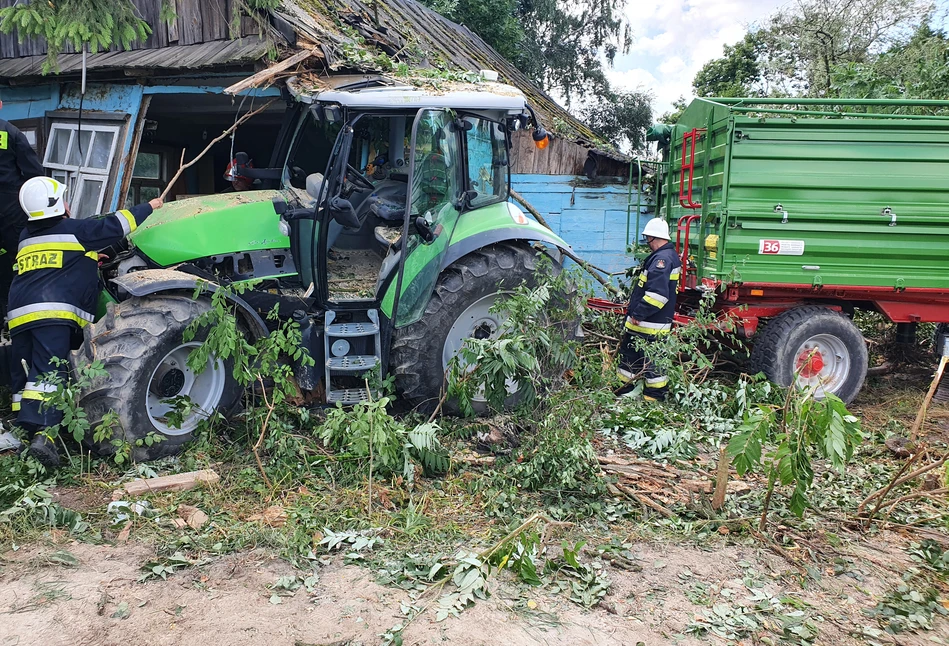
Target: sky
{"points": [[674, 38]]}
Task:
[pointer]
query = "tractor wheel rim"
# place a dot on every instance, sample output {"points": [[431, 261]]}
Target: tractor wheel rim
{"points": [[477, 321], [822, 364], [172, 378]]}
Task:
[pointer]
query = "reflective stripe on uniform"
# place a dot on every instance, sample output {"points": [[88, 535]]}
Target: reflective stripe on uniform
{"points": [[658, 300], [38, 391], [15, 406], [674, 274], [625, 375], [43, 311], [645, 327], [66, 242], [642, 278], [127, 220], [657, 382]]}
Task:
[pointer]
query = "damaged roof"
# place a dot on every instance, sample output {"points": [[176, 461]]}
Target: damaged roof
{"points": [[401, 38], [407, 31]]}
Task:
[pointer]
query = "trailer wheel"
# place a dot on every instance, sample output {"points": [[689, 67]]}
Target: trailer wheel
{"points": [[459, 308], [140, 345], [813, 347]]}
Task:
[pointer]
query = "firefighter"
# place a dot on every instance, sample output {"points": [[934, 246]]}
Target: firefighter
{"points": [[649, 315], [54, 295], [18, 163]]}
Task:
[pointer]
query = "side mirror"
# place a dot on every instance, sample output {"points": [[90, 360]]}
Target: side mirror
{"points": [[344, 213]]}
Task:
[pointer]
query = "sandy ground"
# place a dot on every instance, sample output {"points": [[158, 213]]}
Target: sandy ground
{"points": [[227, 602]]}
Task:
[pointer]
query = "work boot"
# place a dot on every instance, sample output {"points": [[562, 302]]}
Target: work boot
{"points": [[44, 450]]}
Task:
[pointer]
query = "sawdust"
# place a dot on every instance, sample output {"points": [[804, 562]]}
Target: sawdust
{"points": [[228, 602]]}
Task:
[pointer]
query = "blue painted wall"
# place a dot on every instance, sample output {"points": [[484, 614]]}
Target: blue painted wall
{"points": [[122, 98], [590, 216]]}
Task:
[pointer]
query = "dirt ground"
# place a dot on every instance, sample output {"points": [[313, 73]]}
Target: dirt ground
{"points": [[227, 602]]}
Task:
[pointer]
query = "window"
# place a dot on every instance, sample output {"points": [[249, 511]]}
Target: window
{"points": [[82, 160], [487, 161], [148, 178], [435, 186]]}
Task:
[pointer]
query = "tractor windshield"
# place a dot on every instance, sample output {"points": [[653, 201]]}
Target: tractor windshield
{"points": [[487, 161]]}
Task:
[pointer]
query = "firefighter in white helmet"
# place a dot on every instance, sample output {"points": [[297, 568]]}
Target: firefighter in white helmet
{"points": [[649, 316], [54, 295]]}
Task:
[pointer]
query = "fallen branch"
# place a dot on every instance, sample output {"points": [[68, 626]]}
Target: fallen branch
{"points": [[879, 371], [182, 167], [916, 494], [901, 480], [590, 269], [921, 415], [643, 499], [721, 480], [264, 77]]}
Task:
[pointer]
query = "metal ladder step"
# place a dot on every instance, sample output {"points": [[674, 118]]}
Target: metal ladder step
{"points": [[344, 330], [347, 395], [353, 363]]}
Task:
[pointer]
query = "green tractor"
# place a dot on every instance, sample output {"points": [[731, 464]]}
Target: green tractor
{"points": [[389, 237]]}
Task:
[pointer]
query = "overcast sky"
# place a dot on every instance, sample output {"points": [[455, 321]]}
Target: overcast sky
{"points": [[674, 38]]}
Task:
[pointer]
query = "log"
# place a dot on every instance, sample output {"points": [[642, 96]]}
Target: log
{"points": [[721, 480], [177, 482], [266, 77]]}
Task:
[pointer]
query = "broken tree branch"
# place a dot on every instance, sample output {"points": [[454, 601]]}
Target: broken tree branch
{"points": [[265, 77], [590, 269], [921, 415], [201, 154], [721, 480]]}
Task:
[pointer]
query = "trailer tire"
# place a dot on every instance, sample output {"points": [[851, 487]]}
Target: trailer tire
{"points": [[138, 342], [462, 291], [810, 345]]}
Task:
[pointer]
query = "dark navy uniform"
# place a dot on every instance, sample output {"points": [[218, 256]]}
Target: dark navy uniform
{"points": [[18, 163], [652, 304], [54, 295]]}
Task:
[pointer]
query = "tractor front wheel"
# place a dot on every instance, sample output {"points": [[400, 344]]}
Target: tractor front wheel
{"points": [[140, 345], [815, 348]]}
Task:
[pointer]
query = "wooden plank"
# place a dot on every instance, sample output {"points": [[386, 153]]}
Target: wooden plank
{"points": [[249, 26], [189, 22], [265, 77], [214, 19], [177, 482], [133, 149], [173, 28]]}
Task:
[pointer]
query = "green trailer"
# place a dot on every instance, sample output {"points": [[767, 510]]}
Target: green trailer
{"points": [[798, 212]]}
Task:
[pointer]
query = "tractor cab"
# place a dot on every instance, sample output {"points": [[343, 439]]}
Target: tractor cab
{"points": [[369, 231]]}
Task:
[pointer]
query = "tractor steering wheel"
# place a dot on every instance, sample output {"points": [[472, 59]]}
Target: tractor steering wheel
{"points": [[359, 179]]}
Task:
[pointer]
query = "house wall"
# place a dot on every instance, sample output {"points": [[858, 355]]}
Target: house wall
{"points": [[120, 99], [590, 215]]}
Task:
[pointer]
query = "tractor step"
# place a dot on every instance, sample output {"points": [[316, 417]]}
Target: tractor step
{"points": [[347, 396], [351, 330], [353, 363]]}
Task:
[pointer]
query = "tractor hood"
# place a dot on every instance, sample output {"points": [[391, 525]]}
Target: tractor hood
{"points": [[199, 227]]}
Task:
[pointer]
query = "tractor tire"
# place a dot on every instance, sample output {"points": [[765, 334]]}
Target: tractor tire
{"points": [[459, 306], [812, 346], [140, 345]]}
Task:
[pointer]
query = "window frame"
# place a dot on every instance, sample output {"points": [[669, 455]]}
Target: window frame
{"points": [[77, 175]]}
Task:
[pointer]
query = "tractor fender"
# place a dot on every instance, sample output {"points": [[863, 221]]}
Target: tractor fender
{"points": [[153, 281], [461, 248]]}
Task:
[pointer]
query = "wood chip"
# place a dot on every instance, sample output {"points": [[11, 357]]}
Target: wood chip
{"points": [[177, 482], [194, 517]]}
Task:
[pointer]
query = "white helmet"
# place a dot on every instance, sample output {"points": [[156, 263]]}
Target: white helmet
{"points": [[657, 228], [42, 197]]}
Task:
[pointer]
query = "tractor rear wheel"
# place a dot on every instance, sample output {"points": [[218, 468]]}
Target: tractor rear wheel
{"points": [[460, 308], [140, 345], [813, 347]]}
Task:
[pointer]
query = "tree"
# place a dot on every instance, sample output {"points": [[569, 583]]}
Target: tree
{"points": [[737, 73], [796, 52], [621, 117], [916, 68], [564, 46]]}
